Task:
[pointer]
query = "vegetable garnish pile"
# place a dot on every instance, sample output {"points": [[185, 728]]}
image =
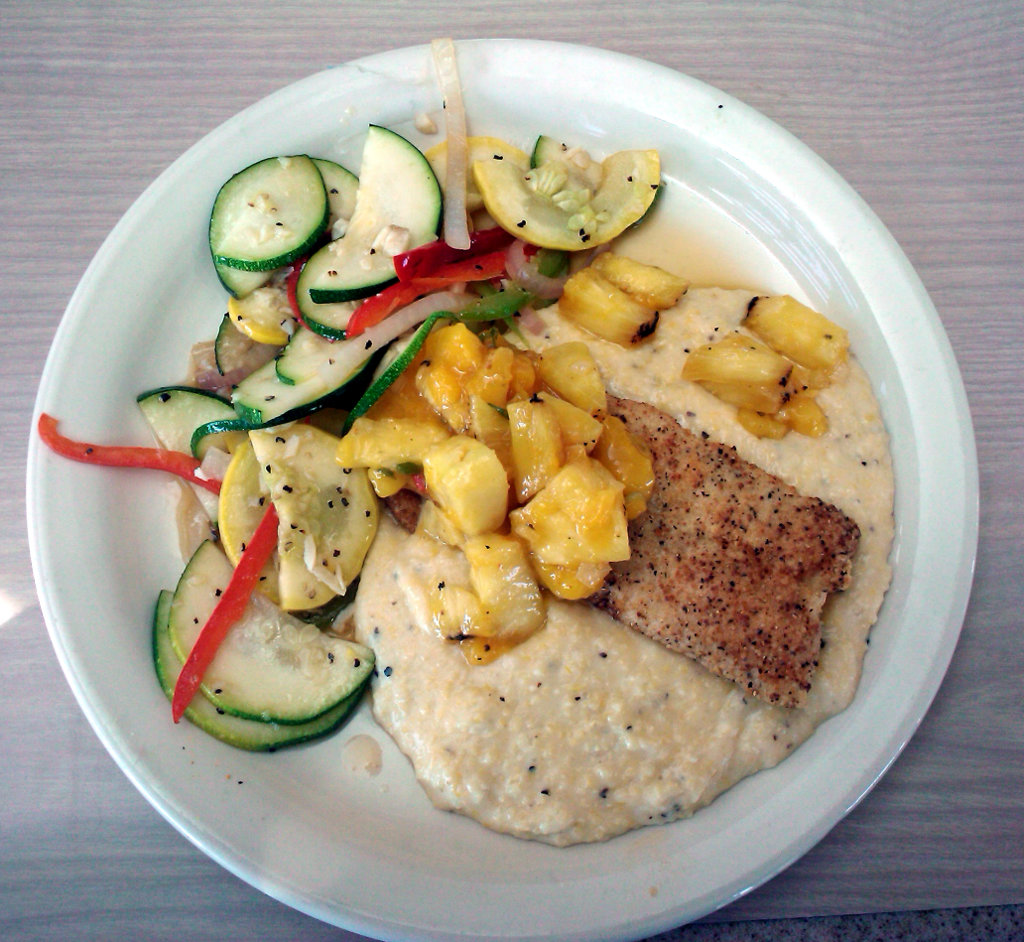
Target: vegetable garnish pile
{"points": [[361, 355]]}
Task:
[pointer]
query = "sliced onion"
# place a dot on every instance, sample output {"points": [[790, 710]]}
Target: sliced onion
{"points": [[529, 320], [523, 271], [456, 221]]}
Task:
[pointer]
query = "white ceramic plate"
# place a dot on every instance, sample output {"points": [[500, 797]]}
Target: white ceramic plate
{"points": [[746, 203]]}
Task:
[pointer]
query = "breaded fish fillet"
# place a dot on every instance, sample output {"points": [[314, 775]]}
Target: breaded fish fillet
{"points": [[729, 564]]}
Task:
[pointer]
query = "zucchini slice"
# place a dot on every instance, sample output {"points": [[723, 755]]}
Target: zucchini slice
{"points": [[240, 283], [271, 666], [328, 514], [175, 412], [252, 735], [233, 350], [559, 205], [398, 207], [341, 186], [268, 214]]}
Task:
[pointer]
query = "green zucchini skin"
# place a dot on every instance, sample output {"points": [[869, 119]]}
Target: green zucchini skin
{"points": [[270, 666], [269, 214], [250, 735]]}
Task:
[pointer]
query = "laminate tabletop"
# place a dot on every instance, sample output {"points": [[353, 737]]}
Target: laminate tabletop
{"points": [[917, 105]]}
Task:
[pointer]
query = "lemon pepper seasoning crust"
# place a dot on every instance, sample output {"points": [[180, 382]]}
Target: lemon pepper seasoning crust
{"points": [[729, 565]]}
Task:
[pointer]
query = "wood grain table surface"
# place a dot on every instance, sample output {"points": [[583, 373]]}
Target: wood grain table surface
{"points": [[917, 104]]}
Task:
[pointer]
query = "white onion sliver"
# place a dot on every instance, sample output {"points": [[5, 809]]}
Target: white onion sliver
{"points": [[456, 222], [523, 271]]}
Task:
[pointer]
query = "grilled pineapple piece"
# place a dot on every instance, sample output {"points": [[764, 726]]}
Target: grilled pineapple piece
{"points": [[578, 517], [648, 284], [571, 371], [597, 305], [798, 332], [537, 449], [468, 482], [628, 461], [803, 414], [742, 371], [761, 424]]}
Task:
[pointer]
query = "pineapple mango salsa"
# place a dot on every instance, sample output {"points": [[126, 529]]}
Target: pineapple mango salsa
{"points": [[519, 466]]}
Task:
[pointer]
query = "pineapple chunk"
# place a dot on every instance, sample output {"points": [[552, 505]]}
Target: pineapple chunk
{"points": [[489, 424], [629, 462], [468, 483], [578, 427], [501, 576], [387, 443], [455, 612], [761, 424], [578, 517], [798, 332], [803, 415], [451, 355], [435, 523], [594, 303], [537, 449], [648, 284], [526, 379], [742, 371], [571, 582], [571, 371], [492, 379], [805, 380]]}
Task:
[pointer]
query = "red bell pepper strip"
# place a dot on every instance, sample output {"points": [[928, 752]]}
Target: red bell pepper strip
{"points": [[228, 610], [123, 456], [374, 309], [424, 260]]}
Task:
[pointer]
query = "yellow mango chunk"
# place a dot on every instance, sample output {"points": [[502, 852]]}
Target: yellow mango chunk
{"points": [[629, 463], [578, 517]]}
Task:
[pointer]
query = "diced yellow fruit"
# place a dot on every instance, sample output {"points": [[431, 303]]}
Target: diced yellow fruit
{"points": [[648, 284], [402, 400], [595, 304], [537, 451], [761, 424], [492, 378], [387, 443], [526, 378], [434, 522], [577, 426], [802, 379], [455, 612], [503, 580], [578, 517], [742, 371], [386, 482], [629, 462], [468, 482], [572, 372], [798, 332], [803, 415], [490, 425], [571, 582], [451, 355], [264, 315]]}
